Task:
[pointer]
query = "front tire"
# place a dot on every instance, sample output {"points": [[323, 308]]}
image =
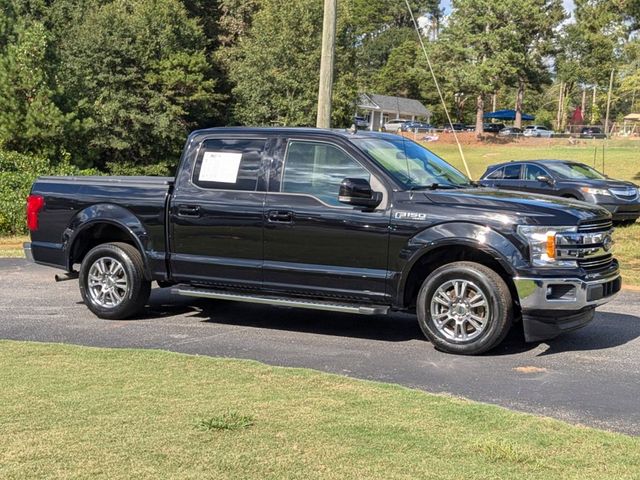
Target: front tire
{"points": [[112, 282], [465, 308]]}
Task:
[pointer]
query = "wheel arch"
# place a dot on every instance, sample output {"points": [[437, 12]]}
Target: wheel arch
{"points": [[104, 223], [459, 242]]}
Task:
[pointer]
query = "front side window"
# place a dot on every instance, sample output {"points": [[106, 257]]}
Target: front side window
{"points": [[318, 169], [534, 171], [229, 164]]}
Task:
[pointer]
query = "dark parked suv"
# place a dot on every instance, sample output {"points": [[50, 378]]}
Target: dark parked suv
{"points": [[592, 132], [570, 180]]}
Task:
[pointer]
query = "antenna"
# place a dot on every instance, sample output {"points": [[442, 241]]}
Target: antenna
{"points": [[435, 80]]}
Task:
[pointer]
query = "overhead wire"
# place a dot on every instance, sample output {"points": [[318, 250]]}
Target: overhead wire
{"points": [[435, 81]]}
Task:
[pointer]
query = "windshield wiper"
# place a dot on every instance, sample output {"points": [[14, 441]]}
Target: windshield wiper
{"points": [[433, 186]]}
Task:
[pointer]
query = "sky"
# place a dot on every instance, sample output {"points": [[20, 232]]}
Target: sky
{"points": [[446, 4]]}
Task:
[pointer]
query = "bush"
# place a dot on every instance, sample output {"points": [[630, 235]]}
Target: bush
{"points": [[17, 173]]}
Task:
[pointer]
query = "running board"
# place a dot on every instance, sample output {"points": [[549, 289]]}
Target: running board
{"points": [[282, 302]]}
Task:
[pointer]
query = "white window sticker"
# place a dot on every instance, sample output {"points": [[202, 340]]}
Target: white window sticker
{"points": [[220, 167]]}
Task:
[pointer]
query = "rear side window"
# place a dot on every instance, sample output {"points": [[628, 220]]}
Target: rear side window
{"points": [[512, 172], [496, 174], [318, 169], [229, 164]]}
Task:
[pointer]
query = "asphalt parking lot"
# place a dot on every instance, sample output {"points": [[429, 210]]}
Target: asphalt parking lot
{"points": [[591, 376]]}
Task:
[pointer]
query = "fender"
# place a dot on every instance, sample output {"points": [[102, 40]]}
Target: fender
{"points": [[480, 237], [569, 191], [106, 213]]}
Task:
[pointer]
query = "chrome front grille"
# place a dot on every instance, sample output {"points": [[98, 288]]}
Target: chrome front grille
{"points": [[625, 193], [596, 263], [590, 247], [595, 226]]}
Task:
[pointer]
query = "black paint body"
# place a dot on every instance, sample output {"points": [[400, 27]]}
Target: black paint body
{"points": [[294, 244]]}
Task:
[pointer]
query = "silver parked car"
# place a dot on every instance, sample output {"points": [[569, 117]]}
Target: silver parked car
{"points": [[537, 131], [395, 125]]}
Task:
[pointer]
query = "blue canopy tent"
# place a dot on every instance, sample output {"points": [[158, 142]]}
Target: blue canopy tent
{"points": [[507, 115]]}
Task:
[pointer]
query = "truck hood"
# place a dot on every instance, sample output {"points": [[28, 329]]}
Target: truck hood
{"points": [[516, 207]]}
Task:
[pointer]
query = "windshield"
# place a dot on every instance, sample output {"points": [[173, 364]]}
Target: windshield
{"points": [[575, 171], [411, 164]]}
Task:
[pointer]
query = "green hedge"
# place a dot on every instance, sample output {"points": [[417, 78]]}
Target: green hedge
{"points": [[17, 173]]}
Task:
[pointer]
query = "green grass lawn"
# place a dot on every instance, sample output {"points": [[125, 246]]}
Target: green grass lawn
{"points": [[77, 412], [12, 246]]}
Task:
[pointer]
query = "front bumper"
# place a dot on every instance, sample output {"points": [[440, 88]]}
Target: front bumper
{"points": [[623, 211], [551, 306]]}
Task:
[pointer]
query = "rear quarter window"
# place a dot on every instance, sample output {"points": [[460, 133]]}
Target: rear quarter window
{"points": [[229, 164], [495, 174]]}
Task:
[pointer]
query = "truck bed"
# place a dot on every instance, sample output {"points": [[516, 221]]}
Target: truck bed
{"points": [[72, 204]]}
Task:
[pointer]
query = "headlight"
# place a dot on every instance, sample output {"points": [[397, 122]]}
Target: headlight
{"points": [[542, 245], [596, 191]]}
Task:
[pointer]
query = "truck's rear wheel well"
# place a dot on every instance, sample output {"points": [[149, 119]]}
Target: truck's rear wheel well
{"points": [[95, 235], [448, 254]]}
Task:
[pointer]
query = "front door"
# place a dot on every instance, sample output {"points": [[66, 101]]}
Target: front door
{"points": [[217, 213], [314, 244], [531, 182]]}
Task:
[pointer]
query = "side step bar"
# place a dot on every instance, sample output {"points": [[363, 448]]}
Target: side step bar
{"points": [[282, 302]]}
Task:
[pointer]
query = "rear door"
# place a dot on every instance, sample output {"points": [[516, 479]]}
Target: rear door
{"points": [[511, 178], [216, 212], [313, 244]]}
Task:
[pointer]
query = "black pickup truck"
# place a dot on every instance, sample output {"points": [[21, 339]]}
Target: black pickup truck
{"points": [[357, 222]]}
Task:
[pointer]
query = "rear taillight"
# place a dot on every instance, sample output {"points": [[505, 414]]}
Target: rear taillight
{"points": [[35, 203]]}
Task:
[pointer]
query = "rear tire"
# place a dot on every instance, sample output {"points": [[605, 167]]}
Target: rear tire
{"points": [[465, 308], [112, 282]]}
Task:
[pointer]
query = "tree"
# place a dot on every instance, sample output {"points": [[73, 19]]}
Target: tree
{"points": [[590, 47], [30, 121], [274, 68], [405, 72], [136, 73], [529, 44], [382, 27], [473, 59]]}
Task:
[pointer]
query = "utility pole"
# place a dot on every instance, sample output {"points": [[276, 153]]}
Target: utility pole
{"points": [[326, 64], [593, 107], [606, 121], [560, 104]]}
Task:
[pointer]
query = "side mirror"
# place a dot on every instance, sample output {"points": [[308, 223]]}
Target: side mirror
{"points": [[357, 192], [545, 179]]}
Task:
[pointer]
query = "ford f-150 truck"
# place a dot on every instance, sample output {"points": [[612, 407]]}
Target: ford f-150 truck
{"points": [[347, 221]]}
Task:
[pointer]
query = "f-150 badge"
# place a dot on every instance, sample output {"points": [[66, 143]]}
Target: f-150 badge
{"points": [[410, 216]]}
